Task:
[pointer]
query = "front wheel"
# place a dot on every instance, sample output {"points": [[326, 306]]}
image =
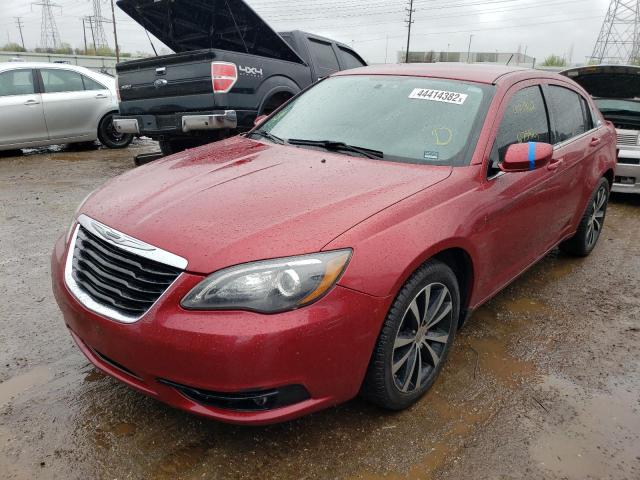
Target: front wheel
{"points": [[415, 338], [109, 136], [591, 224]]}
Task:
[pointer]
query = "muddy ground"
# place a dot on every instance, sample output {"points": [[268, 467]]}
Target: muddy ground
{"points": [[543, 383]]}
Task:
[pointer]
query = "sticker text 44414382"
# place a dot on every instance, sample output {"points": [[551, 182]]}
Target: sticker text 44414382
{"points": [[439, 96]]}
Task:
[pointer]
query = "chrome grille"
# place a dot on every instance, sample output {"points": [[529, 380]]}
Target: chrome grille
{"points": [[126, 283], [628, 139]]}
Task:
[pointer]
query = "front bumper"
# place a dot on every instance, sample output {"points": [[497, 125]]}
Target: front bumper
{"points": [[627, 177], [176, 123], [325, 348]]}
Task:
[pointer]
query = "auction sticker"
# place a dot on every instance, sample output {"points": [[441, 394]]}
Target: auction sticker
{"points": [[439, 96]]}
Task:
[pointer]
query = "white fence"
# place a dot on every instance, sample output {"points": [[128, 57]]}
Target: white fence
{"points": [[99, 64]]}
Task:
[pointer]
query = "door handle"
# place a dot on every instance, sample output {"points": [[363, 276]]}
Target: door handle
{"points": [[555, 164], [101, 95], [595, 141], [31, 102]]}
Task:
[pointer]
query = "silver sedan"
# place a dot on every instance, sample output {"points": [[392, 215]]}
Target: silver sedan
{"points": [[48, 103]]}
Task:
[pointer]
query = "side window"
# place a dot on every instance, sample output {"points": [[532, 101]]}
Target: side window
{"points": [[350, 59], [16, 82], [61, 81], [323, 56], [525, 120], [568, 113], [90, 84], [587, 114]]}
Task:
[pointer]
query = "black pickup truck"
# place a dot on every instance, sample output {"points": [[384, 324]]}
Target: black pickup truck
{"points": [[228, 68]]}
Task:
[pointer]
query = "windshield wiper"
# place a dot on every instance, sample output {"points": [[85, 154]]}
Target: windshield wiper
{"points": [[337, 146], [269, 136]]}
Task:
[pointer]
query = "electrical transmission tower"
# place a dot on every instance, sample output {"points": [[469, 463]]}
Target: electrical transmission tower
{"points": [[619, 39], [97, 24], [49, 35]]}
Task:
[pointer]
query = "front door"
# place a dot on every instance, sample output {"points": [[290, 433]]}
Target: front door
{"points": [[520, 218], [22, 118]]}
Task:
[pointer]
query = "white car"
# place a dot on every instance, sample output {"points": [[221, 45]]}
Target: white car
{"points": [[48, 103]]}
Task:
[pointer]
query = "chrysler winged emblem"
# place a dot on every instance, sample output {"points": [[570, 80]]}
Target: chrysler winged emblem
{"points": [[120, 239]]}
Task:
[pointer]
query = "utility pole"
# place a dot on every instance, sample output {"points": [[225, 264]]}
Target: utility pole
{"points": [[115, 32], [20, 25], [93, 35], [84, 34], [469, 50], [410, 11]]}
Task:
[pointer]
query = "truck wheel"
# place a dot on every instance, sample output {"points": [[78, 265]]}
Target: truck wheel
{"points": [[169, 147], [109, 136]]}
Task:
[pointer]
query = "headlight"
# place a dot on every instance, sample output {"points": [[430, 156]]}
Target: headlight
{"points": [[269, 286]]}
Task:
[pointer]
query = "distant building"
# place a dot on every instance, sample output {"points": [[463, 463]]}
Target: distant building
{"points": [[463, 57]]}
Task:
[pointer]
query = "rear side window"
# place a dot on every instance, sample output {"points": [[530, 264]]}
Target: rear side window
{"points": [[525, 120], [350, 59], [91, 84], [568, 109], [16, 82], [323, 57], [61, 81]]}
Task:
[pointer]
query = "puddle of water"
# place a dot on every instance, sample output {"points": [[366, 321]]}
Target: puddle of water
{"points": [[18, 385], [598, 435]]}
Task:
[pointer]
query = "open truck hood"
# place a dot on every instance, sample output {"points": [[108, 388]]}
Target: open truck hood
{"points": [[608, 81], [185, 25]]}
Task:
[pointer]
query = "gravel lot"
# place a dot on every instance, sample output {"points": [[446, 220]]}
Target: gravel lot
{"points": [[543, 383]]}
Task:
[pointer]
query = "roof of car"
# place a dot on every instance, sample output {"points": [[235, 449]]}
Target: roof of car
{"points": [[11, 65], [489, 74]]}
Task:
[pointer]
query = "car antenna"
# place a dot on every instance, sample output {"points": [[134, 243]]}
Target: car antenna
{"points": [[510, 58], [152, 45]]}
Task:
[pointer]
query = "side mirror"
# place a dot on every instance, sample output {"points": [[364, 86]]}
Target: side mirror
{"points": [[524, 157], [259, 120]]}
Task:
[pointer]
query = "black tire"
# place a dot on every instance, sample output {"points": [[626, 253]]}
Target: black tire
{"points": [[384, 387], [591, 224], [108, 135]]}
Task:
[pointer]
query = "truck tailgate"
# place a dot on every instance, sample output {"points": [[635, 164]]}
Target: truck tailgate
{"points": [[166, 84]]}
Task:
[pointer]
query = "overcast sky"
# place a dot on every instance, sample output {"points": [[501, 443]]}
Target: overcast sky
{"points": [[375, 28]]}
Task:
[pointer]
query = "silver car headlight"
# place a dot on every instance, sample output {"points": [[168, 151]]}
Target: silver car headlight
{"points": [[269, 286]]}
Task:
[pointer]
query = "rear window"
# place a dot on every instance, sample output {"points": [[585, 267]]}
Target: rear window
{"points": [[350, 59], [323, 56], [61, 81], [16, 82], [569, 119], [409, 119]]}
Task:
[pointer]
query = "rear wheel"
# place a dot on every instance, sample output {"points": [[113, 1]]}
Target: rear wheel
{"points": [[415, 338], [109, 136], [590, 228]]}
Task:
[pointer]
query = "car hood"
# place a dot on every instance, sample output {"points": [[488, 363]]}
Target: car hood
{"points": [[607, 81], [196, 25], [241, 200]]}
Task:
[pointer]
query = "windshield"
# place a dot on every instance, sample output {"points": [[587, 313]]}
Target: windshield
{"points": [[407, 119], [618, 105]]}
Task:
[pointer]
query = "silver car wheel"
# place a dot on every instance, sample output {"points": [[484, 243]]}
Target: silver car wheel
{"points": [[598, 207], [422, 337]]}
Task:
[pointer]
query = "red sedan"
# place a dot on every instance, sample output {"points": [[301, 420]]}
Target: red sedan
{"points": [[337, 247]]}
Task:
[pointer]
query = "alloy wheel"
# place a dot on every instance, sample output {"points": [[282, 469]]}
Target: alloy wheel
{"points": [[598, 208], [422, 338]]}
